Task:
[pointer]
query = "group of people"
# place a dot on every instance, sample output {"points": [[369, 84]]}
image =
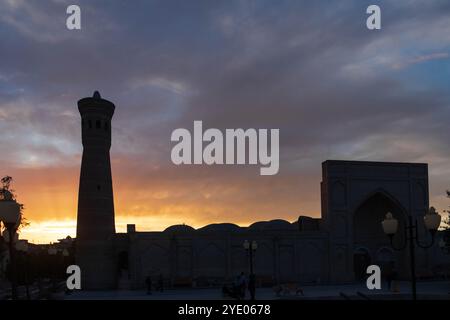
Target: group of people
{"points": [[239, 287], [237, 290], [159, 286]]}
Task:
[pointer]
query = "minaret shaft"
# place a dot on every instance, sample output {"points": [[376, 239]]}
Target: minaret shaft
{"points": [[95, 219]]}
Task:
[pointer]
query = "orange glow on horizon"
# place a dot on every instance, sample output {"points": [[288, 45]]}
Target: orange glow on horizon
{"points": [[155, 200], [47, 231], [158, 199]]}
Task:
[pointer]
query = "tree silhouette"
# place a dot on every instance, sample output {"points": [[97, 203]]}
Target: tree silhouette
{"points": [[6, 193], [447, 224], [447, 220]]}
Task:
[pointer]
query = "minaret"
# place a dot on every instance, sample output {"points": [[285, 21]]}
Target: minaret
{"points": [[95, 221]]}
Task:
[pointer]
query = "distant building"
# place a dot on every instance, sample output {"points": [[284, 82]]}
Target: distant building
{"points": [[335, 248]]}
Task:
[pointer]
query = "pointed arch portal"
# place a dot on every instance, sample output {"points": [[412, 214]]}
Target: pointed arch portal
{"points": [[370, 243], [356, 195]]}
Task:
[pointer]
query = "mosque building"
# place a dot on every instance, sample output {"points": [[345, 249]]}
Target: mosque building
{"points": [[333, 249]]}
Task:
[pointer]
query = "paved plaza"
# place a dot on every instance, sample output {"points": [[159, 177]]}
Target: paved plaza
{"points": [[426, 290]]}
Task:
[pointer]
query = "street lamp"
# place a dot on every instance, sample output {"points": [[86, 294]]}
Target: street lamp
{"points": [[52, 251], [432, 220], [250, 246], [10, 216], [22, 246], [65, 256]]}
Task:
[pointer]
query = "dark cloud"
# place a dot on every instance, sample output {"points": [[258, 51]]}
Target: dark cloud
{"points": [[335, 90]]}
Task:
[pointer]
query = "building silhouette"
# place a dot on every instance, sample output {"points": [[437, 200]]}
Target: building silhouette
{"points": [[336, 248], [95, 219]]}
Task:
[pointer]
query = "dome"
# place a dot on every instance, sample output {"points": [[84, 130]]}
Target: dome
{"points": [[305, 223], [178, 228], [277, 224], [221, 227], [258, 225]]}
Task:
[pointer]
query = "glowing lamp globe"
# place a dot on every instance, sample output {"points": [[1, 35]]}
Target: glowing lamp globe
{"points": [[389, 224], [9, 212], [432, 220]]}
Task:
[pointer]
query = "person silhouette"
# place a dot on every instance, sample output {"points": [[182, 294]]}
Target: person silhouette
{"points": [[252, 286], [242, 285], [148, 283], [391, 275], [161, 283]]}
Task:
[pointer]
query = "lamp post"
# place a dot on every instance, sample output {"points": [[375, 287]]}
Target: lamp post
{"points": [[250, 246], [10, 216], [52, 252], [444, 243], [432, 221], [65, 256], [22, 246]]}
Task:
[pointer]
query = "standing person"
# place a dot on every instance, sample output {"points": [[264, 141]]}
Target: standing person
{"points": [[242, 285], [148, 283], [252, 286], [389, 275], [395, 284], [161, 283], [236, 288]]}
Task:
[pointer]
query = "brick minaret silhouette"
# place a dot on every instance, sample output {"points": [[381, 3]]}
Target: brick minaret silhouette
{"points": [[95, 220]]}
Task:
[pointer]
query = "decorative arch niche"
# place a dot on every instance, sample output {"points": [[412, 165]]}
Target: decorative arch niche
{"points": [[368, 233], [370, 212], [338, 194]]}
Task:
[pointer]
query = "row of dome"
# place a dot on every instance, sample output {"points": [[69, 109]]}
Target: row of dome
{"points": [[277, 224]]}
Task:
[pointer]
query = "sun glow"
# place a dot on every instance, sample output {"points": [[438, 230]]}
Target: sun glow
{"points": [[47, 231]]}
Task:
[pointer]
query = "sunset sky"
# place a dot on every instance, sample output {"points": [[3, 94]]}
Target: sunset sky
{"points": [[335, 89]]}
